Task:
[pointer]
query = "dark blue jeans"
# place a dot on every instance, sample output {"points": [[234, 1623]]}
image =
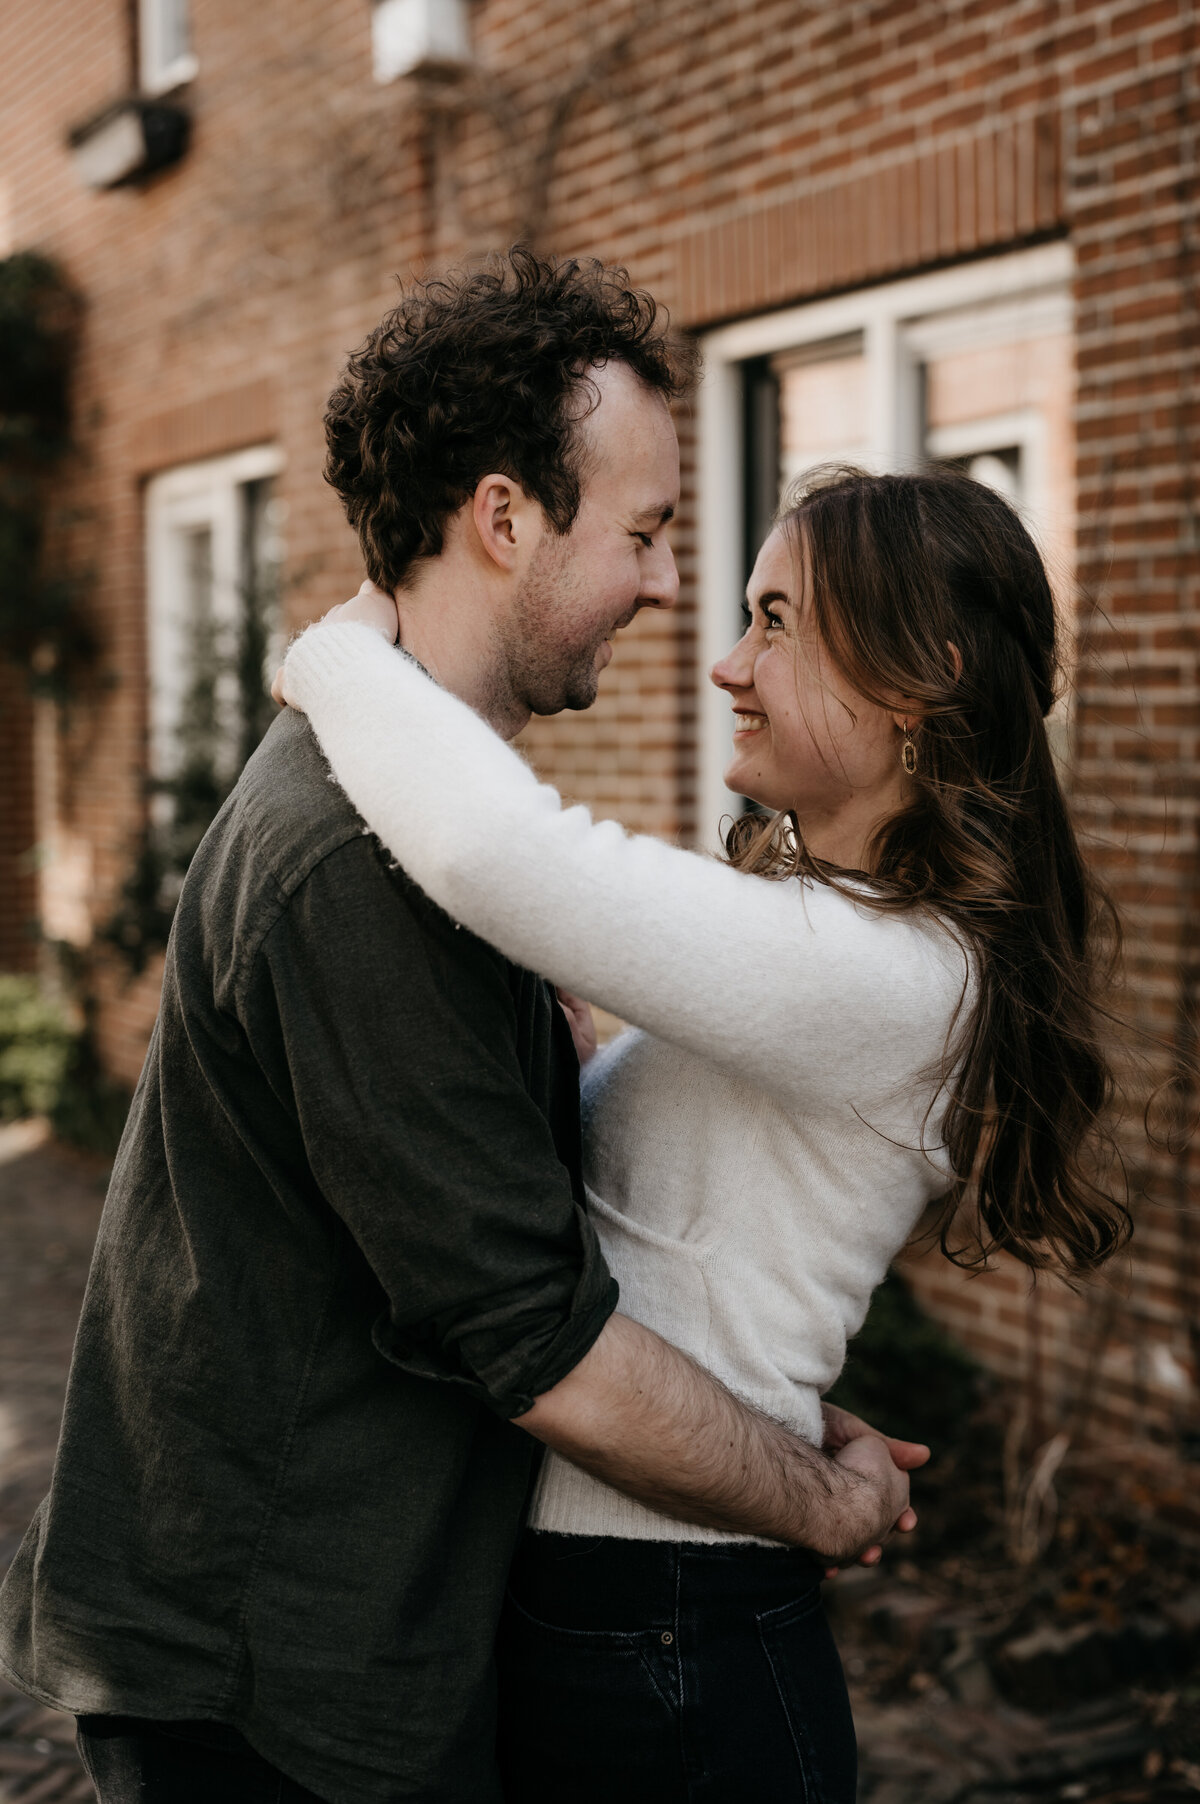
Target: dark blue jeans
{"points": [[670, 1673], [132, 1761]]}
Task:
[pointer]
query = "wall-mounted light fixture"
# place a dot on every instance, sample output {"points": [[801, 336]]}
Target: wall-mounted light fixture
{"points": [[130, 138], [419, 37]]}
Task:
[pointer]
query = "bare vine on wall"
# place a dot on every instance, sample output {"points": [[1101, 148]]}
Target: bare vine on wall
{"points": [[42, 627], [608, 68]]}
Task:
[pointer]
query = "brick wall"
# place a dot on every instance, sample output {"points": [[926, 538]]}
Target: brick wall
{"points": [[1132, 199], [736, 155]]}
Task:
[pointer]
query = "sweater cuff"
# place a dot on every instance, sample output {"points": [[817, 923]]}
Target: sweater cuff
{"points": [[327, 652]]}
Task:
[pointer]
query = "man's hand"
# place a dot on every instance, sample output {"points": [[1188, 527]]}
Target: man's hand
{"points": [[841, 1431], [372, 606], [887, 1507], [582, 1024], [841, 1428], [648, 1420]]}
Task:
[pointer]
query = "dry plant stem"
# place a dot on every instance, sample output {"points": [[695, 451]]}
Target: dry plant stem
{"points": [[1030, 1498]]}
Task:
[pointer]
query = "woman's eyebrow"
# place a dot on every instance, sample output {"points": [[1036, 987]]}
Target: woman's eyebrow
{"points": [[768, 596]]}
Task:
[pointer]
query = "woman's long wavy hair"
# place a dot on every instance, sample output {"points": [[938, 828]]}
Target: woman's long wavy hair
{"points": [[899, 570]]}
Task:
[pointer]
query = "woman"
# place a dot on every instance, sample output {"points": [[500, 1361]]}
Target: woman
{"points": [[884, 991]]}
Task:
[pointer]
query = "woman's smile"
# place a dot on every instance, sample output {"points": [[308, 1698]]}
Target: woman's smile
{"points": [[746, 722]]}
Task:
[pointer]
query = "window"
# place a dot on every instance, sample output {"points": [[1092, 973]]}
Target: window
{"points": [[212, 618], [972, 366], [164, 45]]}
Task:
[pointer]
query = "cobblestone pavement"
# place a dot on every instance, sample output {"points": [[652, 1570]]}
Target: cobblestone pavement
{"points": [[49, 1207]]}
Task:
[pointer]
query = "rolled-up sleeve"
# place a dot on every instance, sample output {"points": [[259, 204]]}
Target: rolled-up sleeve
{"points": [[401, 1040]]}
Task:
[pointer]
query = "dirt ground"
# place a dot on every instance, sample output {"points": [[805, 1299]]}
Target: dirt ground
{"points": [[1077, 1678], [998, 1656]]}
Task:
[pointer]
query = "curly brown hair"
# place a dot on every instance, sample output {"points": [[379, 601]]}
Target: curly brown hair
{"points": [[900, 568], [484, 370]]}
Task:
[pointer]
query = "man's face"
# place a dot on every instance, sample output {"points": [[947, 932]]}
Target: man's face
{"points": [[582, 587]]}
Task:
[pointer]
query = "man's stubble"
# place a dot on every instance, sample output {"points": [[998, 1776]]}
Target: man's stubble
{"points": [[547, 657]]}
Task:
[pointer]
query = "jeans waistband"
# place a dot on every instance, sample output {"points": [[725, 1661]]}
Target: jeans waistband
{"points": [[605, 1581]]}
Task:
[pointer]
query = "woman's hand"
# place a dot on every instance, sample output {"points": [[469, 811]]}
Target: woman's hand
{"points": [[583, 1028], [372, 606]]}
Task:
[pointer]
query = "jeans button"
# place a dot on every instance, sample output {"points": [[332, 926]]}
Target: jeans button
{"points": [[667, 1638]]}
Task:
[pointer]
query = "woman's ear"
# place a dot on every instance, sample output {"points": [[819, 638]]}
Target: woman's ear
{"points": [[907, 720]]}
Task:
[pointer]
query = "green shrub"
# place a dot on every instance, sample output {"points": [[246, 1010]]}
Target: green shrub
{"points": [[36, 1044], [48, 1066], [90, 1108], [904, 1374]]}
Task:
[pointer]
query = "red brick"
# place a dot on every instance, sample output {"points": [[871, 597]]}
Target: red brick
{"points": [[1103, 68]]}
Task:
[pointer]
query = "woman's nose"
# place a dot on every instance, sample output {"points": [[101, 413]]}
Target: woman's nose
{"points": [[733, 671]]}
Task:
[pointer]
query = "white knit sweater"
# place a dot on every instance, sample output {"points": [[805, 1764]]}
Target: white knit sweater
{"points": [[760, 1152]]}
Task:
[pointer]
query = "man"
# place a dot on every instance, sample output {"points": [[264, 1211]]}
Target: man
{"points": [[344, 1282]]}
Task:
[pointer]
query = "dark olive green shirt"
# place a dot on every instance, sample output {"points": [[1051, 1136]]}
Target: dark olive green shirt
{"points": [[343, 1245]]}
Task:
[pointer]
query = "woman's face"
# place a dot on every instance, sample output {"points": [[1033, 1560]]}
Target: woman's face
{"points": [[803, 737]]}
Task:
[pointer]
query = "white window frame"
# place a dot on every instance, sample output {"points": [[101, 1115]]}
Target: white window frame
{"points": [[157, 74], [1024, 429], [204, 494], [900, 323]]}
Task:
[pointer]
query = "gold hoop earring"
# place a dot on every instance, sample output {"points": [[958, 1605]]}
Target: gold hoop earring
{"points": [[908, 753]]}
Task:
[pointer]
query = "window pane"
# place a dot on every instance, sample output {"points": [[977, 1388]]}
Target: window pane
{"points": [[199, 730], [1002, 470], [259, 647], [198, 572], [822, 407], [212, 633], [1003, 411]]}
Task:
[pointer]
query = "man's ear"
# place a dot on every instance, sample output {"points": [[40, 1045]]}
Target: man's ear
{"points": [[503, 519]]}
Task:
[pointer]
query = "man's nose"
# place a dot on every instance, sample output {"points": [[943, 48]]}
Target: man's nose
{"points": [[660, 580]]}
